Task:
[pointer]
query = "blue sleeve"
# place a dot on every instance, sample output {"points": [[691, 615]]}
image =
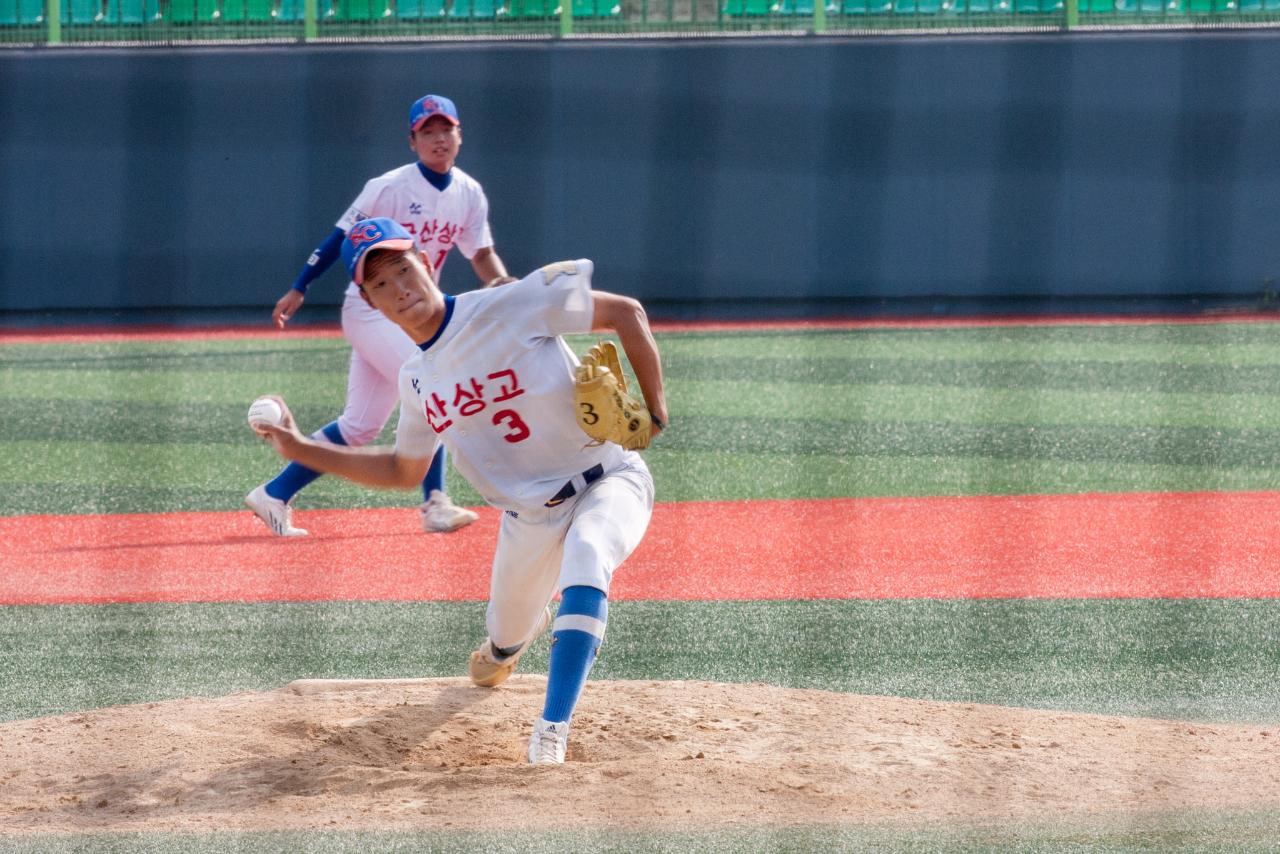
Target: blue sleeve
{"points": [[322, 259]]}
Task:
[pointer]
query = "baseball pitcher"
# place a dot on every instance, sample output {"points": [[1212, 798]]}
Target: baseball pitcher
{"points": [[550, 440]]}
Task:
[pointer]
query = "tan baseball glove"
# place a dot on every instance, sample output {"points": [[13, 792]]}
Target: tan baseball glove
{"points": [[607, 412]]}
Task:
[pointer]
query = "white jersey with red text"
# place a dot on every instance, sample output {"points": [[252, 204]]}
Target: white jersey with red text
{"points": [[438, 220], [495, 386]]}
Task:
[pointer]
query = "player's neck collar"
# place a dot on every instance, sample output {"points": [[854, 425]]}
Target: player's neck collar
{"points": [[448, 313], [439, 180]]}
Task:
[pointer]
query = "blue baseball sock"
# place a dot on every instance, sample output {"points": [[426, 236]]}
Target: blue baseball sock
{"points": [[435, 475], [295, 475], [576, 635]]}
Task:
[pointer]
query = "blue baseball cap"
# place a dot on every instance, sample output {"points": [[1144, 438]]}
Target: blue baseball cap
{"points": [[431, 105], [367, 235]]}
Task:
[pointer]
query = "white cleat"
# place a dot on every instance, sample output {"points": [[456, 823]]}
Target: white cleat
{"points": [[276, 514], [549, 742], [487, 671], [440, 515]]}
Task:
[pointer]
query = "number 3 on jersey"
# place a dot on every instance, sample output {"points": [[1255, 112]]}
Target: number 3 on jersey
{"points": [[519, 431]]}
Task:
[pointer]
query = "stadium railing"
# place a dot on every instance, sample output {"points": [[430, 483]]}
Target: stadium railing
{"points": [[54, 22]]}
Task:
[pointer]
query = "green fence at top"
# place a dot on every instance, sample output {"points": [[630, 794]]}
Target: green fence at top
{"points": [[176, 21]]}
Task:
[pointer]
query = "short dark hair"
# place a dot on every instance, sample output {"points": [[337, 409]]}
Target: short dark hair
{"points": [[377, 257]]}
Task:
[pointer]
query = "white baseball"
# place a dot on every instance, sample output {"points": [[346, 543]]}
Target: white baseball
{"points": [[264, 410]]}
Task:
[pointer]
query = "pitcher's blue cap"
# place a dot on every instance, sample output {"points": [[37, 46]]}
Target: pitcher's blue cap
{"points": [[370, 234], [431, 105]]}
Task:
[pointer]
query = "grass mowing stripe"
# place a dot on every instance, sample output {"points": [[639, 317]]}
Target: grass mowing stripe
{"points": [[175, 388], [176, 423], [58, 401], [1039, 372], [193, 432], [287, 355], [284, 355], [1203, 832], [712, 476], [1175, 347], [945, 405], [1212, 660], [838, 362], [1195, 446], [141, 417], [1215, 344], [61, 479], [1209, 344]]}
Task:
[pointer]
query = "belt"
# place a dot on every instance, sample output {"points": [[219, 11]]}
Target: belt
{"points": [[567, 491]]}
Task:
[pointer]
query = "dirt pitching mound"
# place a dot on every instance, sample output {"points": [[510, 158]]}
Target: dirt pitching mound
{"points": [[439, 753]]}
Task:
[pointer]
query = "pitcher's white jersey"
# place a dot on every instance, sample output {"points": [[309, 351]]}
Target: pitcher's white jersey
{"points": [[495, 385], [438, 219]]}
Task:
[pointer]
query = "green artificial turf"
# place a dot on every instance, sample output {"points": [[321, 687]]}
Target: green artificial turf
{"points": [[159, 426], [1204, 833], [1211, 660]]}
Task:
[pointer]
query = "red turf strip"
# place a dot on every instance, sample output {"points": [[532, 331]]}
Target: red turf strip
{"points": [[1060, 546], [95, 334]]}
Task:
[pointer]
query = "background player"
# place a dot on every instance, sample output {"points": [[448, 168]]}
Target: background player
{"points": [[495, 383], [441, 207]]}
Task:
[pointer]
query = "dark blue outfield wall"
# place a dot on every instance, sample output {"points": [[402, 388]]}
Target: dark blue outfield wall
{"points": [[964, 167]]}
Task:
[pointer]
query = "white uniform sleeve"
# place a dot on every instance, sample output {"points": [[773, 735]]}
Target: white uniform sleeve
{"points": [[414, 436], [555, 300], [364, 205], [475, 234]]}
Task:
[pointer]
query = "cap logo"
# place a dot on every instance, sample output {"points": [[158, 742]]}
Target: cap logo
{"points": [[365, 232]]}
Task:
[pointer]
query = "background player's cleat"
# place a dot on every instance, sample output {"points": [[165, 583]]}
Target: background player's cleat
{"points": [[276, 514], [549, 742], [487, 672], [440, 515]]}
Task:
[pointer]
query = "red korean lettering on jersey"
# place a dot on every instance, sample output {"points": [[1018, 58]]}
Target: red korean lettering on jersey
{"points": [[437, 415], [468, 401], [508, 385], [433, 229], [447, 233]]}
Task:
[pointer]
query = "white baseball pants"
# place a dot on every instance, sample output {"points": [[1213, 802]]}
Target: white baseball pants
{"points": [[581, 541]]}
